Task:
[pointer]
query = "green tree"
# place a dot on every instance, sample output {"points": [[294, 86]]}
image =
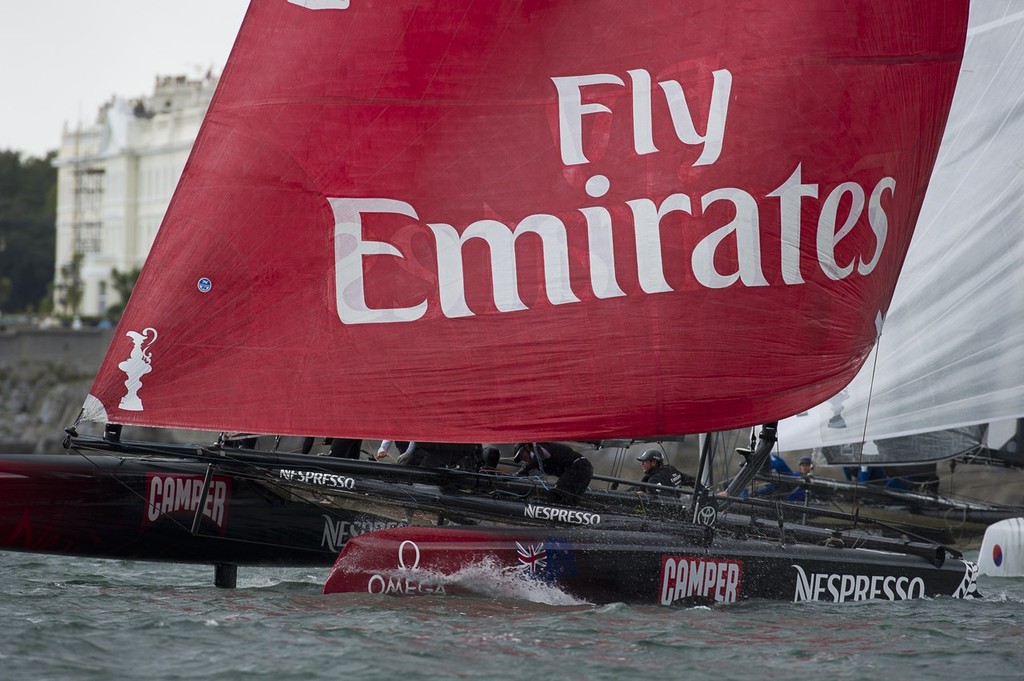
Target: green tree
{"points": [[123, 283], [5, 291], [71, 288], [28, 204]]}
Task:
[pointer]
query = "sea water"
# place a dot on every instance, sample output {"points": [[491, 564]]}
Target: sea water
{"points": [[80, 619]]}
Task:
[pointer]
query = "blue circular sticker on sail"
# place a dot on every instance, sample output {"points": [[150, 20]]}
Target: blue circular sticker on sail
{"points": [[205, 285]]}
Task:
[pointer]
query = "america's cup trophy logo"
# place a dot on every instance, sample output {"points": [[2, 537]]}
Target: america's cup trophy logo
{"points": [[138, 364]]}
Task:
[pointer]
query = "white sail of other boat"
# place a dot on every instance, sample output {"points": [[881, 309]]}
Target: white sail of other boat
{"points": [[951, 352]]}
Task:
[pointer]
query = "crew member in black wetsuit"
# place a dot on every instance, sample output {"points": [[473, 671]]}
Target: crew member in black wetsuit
{"points": [[574, 471], [657, 472], [340, 447], [445, 455], [491, 458], [344, 448]]}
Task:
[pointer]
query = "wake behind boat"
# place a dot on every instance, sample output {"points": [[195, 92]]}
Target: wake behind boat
{"points": [[536, 222]]}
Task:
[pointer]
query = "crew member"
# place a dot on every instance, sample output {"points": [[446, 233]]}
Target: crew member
{"points": [[657, 472], [574, 471], [406, 450], [799, 494], [435, 454], [491, 458], [345, 448]]}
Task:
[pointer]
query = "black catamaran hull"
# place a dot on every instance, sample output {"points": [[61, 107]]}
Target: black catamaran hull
{"points": [[603, 566], [111, 506], [242, 507]]}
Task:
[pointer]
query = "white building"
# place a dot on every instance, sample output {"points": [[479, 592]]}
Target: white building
{"points": [[114, 183]]}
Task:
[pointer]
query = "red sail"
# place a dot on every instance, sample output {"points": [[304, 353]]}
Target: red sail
{"points": [[490, 221]]}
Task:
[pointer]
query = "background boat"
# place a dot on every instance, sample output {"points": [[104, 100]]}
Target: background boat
{"points": [[945, 382], [950, 361]]}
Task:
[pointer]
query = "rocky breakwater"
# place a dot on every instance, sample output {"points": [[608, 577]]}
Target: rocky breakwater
{"points": [[45, 375]]}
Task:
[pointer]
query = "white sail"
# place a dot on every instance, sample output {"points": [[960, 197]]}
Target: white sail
{"points": [[951, 352]]}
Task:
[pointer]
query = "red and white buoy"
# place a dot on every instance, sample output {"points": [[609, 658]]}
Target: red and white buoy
{"points": [[1002, 549]]}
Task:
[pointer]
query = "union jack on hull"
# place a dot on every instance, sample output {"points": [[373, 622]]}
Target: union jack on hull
{"points": [[532, 558]]}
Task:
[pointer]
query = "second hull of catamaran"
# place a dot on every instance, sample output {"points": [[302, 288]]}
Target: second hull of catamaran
{"points": [[154, 508], [682, 567], [947, 520], [963, 528]]}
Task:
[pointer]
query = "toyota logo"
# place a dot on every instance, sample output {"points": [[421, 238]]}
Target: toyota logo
{"points": [[707, 515]]}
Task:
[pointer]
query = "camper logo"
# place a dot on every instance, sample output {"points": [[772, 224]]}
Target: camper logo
{"points": [[180, 496], [702, 580], [138, 364]]}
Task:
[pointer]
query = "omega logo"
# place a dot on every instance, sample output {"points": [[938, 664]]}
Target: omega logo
{"points": [[415, 553], [408, 560]]}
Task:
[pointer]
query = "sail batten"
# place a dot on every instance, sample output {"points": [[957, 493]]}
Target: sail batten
{"points": [[443, 222]]}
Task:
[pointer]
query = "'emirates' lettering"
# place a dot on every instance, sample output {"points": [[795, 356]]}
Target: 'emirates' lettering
{"points": [[848, 210]]}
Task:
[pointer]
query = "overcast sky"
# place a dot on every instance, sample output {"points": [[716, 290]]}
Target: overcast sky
{"points": [[59, 61]]}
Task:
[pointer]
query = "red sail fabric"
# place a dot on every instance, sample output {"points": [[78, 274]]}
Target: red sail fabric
{"points": [[454, 220]]}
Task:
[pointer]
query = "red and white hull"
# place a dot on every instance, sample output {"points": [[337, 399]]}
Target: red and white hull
{"points": [[655, 568]]}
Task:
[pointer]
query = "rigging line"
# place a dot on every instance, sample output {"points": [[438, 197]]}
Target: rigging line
{"points": [[180, 524], [620, 460], [616, 467], [297, 489], [254, 473], [728, 450], [542, 478], [867, 405], [255, 542], [130, 490], [992, 25]]}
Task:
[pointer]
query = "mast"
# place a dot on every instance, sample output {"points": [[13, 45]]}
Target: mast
{"points": [[755, 460]]}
